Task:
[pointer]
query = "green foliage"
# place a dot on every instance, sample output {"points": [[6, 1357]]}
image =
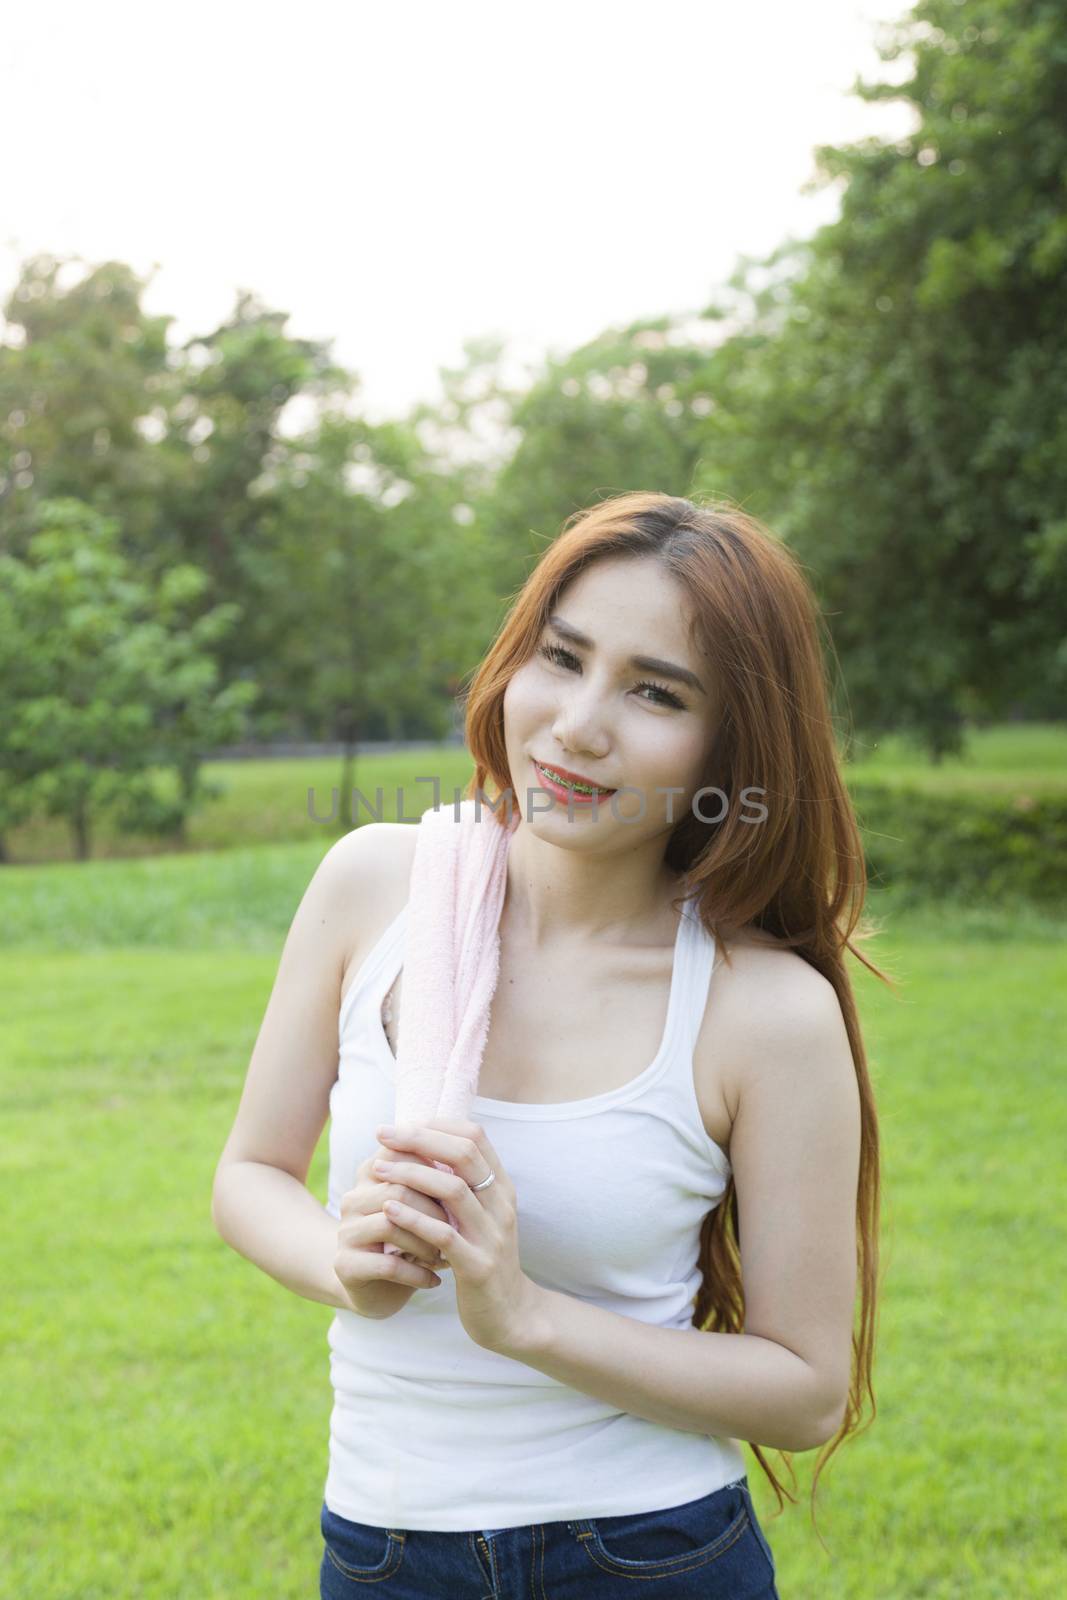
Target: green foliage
{"points": [[223, 441], [349, 551], [105, 677], [370, 598], [896, 404], [81, 398], [971, 847]]}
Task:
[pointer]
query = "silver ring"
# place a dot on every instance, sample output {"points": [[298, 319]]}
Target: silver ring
{"points": [[484, 1183]]}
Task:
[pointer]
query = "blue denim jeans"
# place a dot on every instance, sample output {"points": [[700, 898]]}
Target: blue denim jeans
{"points": [[712, 1548]]}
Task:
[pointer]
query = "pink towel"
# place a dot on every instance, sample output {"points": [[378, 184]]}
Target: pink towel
{"points": [[451, 962]]}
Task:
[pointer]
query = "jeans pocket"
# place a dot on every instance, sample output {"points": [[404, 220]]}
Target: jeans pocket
{"points": [[674, 1540], [358, 1550]]}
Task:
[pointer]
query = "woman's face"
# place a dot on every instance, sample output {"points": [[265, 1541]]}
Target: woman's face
{"points": [[584, 705]]}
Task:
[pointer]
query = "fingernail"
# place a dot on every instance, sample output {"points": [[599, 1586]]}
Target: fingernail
{"points": [[383, 1166], [385, 1130]]}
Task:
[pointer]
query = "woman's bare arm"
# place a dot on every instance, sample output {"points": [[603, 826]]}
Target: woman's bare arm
{"points": [[260, 1202], [275, 1221]]}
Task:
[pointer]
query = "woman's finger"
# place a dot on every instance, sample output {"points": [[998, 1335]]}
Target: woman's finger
{"points": [[464, 1146], [450, 1241], [356, 1265], [378, 1228], [449, 1189]]}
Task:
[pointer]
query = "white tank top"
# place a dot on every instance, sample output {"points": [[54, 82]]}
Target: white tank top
{"points": [[431, 1431]]}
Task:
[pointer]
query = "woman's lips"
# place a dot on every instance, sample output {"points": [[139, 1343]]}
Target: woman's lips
{"points": [[570, 794]]}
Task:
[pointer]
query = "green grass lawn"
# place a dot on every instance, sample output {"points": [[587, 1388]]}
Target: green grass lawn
{"points": [[165, 1427], [1012, 758]]}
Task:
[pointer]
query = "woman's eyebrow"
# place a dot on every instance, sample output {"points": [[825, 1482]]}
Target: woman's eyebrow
{"points": [[666, 669]]}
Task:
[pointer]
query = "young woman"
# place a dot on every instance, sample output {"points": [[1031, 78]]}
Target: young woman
{"points": [[667, 1193]]}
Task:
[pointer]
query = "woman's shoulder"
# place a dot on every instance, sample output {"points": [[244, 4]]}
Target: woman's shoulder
{"points": [[374, 861], [752, 937], [373, 853], [765, 996], [763, 969]]}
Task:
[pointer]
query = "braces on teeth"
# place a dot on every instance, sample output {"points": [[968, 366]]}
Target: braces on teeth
{"points": [[564, 783]]}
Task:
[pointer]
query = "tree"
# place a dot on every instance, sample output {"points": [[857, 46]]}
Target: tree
{"points": [[106, 681], [222, 440], [82, 378], [897, 403], [373, 587]]}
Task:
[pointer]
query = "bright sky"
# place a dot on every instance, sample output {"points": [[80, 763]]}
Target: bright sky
{"points": [[400, 178]]}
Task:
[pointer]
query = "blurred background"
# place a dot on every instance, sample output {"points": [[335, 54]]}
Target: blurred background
{"points": [[315, 326]]}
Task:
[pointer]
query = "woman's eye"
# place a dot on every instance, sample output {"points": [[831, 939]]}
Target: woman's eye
{"points": [[564, 658], [556, 652]]}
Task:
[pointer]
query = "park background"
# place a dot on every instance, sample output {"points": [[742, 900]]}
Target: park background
{"points": [[211, 619]]}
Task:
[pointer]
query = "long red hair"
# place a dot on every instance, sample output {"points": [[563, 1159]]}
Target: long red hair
{"points": [[801, 875]]}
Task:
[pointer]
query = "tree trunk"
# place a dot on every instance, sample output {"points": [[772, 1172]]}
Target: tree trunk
{"points": [[348, 768], [80, 828]]}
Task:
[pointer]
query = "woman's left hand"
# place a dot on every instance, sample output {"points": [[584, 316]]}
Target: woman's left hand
{"points": [[494, 1296]]}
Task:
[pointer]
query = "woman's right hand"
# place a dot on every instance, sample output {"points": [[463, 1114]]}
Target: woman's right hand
{"points": [[378, 1283]]}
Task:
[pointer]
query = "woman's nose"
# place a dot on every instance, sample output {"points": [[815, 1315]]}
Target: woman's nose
{"points": [[581, 723]]}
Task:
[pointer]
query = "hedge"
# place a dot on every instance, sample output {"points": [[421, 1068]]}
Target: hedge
{"points": [[974, 847]]}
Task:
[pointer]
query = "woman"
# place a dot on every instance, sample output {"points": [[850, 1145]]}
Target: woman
{"points": [[674, 1137]]}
